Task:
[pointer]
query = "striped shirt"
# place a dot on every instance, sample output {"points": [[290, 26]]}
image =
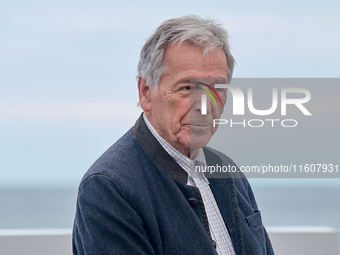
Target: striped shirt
{"points": [[218, 229]]}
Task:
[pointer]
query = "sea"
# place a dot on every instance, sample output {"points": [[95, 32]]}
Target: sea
{"points": [[289, 202]]}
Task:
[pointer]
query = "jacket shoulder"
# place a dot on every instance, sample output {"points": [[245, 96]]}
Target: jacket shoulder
{"points": [[118, 161]]}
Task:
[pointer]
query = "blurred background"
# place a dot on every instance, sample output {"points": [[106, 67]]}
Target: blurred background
{"points": [[68, 91]]}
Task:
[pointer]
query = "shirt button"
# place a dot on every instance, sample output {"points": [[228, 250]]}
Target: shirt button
{"points": [[214, 243], [192, 201]]}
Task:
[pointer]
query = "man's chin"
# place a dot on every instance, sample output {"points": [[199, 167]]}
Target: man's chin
{"points": [[197, 142]]}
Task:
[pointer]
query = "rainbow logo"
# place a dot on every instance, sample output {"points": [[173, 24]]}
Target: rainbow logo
{"points": [[204, 98], [213, 90]]}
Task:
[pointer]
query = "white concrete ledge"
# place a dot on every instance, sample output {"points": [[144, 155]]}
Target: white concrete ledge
{"points": [[285, 240], [36, 241], [304, 240]]}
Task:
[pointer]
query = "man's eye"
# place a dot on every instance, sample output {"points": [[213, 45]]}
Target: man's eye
{"points": [[186, 88], [220, 89]]}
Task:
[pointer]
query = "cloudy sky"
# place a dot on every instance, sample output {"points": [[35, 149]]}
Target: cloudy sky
{"points": [[67, 70]]}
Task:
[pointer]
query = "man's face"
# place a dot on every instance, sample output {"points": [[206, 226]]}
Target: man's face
{"points": [[174, 109]]}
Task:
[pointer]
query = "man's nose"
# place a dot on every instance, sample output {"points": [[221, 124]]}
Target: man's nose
{"points": [[201, 102]]}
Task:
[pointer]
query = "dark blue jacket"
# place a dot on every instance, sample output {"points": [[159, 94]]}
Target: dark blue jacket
{"points": [[134, 200]]}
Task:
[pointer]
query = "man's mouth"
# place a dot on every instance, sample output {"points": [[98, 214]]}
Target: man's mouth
{"points": [[200, 124]]}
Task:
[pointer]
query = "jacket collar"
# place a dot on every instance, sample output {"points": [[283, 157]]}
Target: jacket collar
{"points": [[156, 151], [161, 157]]}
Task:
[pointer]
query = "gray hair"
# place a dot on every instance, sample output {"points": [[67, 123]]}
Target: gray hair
{"points": [[204, 33]]}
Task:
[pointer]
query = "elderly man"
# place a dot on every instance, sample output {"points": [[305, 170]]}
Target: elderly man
{"points": [[143, 196]]}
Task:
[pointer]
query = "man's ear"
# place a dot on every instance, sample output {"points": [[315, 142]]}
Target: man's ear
{"points": [[144, 94]]}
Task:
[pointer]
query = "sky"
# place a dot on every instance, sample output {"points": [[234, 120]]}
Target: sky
{"points": [[67, 72]]}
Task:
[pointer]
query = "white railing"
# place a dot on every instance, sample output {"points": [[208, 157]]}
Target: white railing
{"points": [[285, 240]]}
